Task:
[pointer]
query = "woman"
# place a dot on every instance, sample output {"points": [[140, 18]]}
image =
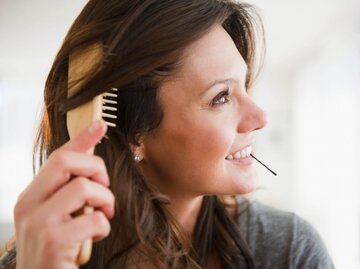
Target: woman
{"points": [[165, 180]]}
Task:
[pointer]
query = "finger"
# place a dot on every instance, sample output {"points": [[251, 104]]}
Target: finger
{"points": [[70, 235], [58, 171], [94, 225], [74, 196], [84, 141], [88, 138]]}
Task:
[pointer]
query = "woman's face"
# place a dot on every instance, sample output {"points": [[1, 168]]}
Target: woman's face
{"points": [[203, 123]]}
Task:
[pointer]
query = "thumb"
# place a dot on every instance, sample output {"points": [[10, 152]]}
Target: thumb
{"points": [[87, 138]]}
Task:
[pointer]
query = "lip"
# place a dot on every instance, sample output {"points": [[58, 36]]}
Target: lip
{"points": [[242, 161]]}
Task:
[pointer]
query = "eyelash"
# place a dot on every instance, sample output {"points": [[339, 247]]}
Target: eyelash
{"points": [[221, 95]]}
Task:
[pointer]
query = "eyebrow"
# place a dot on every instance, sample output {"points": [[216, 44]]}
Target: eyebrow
{"points": [[226, 81]]}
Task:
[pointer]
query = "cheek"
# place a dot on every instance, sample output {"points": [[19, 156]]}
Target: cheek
{"points": [[187, 151], [215, 141], [191, 151], [202, 149]]}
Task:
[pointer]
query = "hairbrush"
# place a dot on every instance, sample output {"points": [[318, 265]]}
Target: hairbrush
{"points": [[102, 106]]}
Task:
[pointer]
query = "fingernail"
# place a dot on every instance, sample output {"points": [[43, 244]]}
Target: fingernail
{"points": [[95, 126]]}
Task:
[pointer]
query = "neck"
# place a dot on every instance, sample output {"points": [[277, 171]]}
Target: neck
{"points": [[184, 207], [185, 211]]}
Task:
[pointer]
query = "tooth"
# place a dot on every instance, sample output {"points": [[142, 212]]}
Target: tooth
{"points": [[248, 151], [243, 154], [237, 155], [229, 157]]}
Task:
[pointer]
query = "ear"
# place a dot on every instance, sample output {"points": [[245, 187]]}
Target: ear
{"points": [[138, 150]]}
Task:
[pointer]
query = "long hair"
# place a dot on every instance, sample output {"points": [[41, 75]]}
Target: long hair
{"points": [[143, 42]]}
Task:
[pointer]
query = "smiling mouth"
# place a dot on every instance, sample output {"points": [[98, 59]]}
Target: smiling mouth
{"points": [[241, 154]]}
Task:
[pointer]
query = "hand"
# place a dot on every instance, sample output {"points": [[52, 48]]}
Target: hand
{"points": [[48, 236]]}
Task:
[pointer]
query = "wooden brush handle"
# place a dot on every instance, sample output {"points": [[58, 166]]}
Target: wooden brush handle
{"points": [[80, 64], [86, 246]]}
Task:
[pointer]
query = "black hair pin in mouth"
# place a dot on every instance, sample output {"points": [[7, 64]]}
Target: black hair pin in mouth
{"points": [[264, 165]]}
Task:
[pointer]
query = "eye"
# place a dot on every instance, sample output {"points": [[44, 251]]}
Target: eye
{"points": [[222, 98]]}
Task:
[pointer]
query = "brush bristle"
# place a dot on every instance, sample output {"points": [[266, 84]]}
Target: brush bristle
{"points": [[110, 105]]}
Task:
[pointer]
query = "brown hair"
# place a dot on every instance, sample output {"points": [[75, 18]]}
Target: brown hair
{"points": [[144, 41]]}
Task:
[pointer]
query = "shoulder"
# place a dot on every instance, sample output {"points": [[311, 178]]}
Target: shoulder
{"points": [[281, 239]]}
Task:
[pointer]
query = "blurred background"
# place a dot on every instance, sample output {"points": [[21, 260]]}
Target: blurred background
{"points": [[310, 90]]}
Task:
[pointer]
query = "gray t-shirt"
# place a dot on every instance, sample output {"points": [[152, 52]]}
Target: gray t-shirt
{"points": [[280, 239]]}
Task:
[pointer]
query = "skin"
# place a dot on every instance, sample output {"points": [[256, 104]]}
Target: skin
{"points": [[185, 156]]}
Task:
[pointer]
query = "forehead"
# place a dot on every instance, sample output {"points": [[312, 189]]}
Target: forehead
{"points": [[212, 57]]}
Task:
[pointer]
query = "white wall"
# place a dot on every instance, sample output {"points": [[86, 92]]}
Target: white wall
{"points": [[311, 92], [31, 33]]}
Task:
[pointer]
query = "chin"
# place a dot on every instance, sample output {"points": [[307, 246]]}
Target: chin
{"points": [[246, 184], [236, 188]]}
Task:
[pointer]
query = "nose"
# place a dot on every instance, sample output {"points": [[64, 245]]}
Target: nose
{"points": [[252, 117]]}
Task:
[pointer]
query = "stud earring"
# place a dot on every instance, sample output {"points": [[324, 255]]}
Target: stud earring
{"points": [[137, 158]]}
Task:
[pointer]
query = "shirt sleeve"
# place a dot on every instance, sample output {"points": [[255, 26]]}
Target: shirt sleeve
{"points": [[308, 249]]}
